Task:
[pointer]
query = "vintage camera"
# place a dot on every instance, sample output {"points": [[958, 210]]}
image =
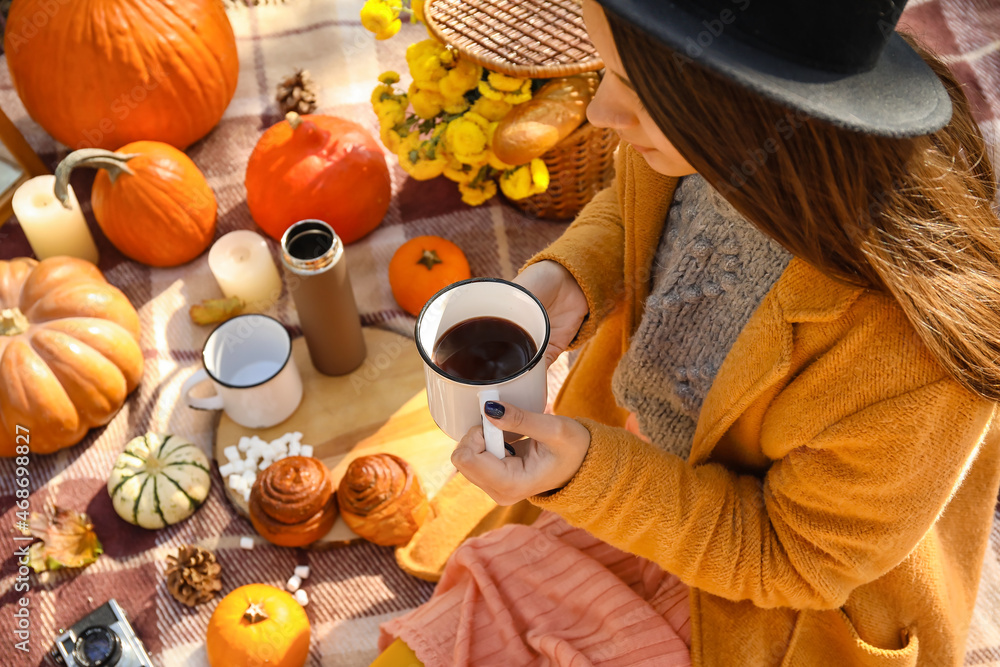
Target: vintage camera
{"points": [[102, 638]]}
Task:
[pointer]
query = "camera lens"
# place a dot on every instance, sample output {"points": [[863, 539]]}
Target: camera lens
{"points": [[97, 646]]}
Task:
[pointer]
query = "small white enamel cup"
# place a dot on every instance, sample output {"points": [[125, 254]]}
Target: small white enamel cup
{"points": [[456, 404], [249, 361]]}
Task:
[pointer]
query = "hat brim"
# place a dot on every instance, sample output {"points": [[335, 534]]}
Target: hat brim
{"points": [[899, 97]]}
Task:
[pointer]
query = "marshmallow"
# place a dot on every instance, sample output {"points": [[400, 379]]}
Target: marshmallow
{"points": [[231, 453], [293, 584], [246, 542], [307, 450], [302, 571], [301, 597]]}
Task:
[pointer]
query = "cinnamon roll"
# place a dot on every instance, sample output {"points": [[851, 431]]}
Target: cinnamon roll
{"points": [[381, 499], [292, 502]]}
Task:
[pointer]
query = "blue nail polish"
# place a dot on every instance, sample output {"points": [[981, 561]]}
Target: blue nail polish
{"points": [[510, 449], [493, 409]]}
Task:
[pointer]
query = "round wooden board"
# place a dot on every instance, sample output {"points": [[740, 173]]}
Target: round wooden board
{"points": [[380, 407]]}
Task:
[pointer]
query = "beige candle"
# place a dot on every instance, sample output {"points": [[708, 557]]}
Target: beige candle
{"points": [[243, 267], [51, 228]]}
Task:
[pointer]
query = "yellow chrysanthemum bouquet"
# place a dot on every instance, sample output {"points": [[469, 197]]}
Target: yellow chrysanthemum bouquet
{"points": [[443, 123]]}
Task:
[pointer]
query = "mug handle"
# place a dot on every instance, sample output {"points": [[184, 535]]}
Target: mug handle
{"points": [[492, 434], [209, 403]]}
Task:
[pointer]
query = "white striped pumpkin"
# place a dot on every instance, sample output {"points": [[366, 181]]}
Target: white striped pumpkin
{"points": [[159, 480]]}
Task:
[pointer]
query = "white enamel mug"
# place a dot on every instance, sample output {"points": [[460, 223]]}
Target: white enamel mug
{"points": [[456, 404], [249, 361]]}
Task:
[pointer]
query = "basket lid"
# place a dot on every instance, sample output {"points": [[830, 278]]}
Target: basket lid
{"points": [[523, 38]]}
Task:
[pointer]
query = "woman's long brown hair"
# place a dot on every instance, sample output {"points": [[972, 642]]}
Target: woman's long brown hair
{"points": [[911, 217]]}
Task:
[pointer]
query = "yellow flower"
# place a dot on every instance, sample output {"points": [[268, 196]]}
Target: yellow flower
{"points": [[381, 17], [492, 110], [418, 10], [539, 175], [476, 195], [426, 103], [497, 88], [424, 61], [391, 139], [389, 77], [467, 138], [526, 180], [455, 105], [419, 158], [460, 173], [504, 83], [497, 163], [390, 111], [461, 78]]}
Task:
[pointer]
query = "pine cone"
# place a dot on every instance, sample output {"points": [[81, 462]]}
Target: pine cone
{"points": [[297, 93], [193, 575]]}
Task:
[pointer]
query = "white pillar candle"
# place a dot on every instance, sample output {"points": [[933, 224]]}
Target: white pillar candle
{"points": [[243, 267], [51, 228]]}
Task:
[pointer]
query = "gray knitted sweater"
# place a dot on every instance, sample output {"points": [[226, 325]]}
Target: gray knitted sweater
{"points": [[711, 271]]}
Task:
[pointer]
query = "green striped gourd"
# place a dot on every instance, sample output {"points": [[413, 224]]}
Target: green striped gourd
{"points": [[159, 480]]}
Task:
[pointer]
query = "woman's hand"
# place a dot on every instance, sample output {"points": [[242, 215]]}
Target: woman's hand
{"points": [[563, 300], [546, 460]]}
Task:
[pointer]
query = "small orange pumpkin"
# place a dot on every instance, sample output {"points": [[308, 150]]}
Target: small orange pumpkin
{"points": [[257, 625], [150, 200], [422, 267], [320, 167], [69, 352], [102, 73]]}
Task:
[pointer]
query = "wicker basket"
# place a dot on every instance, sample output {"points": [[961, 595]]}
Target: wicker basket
{"points": [[537, 39], [580, 166], [527, 38]]}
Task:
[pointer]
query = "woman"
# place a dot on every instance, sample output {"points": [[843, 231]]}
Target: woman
{"points": [[778, 445]]}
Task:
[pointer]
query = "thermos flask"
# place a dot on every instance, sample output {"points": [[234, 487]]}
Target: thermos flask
{"points": [[321, 288]]}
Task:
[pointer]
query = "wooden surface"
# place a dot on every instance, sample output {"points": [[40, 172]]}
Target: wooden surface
{"points": [[381, 407]]}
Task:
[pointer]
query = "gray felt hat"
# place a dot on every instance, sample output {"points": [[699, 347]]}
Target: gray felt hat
{"points": [[838, 60]]}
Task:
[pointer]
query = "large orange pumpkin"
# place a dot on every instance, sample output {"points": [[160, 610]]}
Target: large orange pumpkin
{"points": [[69, 352], [150, 200], [258, 625], [320, 167], [102, 73]]}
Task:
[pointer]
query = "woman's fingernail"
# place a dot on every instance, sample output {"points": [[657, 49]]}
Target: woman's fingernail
{"points": [[493, 409], [509, 448]]}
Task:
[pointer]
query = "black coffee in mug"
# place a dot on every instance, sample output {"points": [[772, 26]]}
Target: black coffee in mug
{"points": [[484, 349]]}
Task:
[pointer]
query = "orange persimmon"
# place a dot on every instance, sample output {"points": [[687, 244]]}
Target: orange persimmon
{"points": [[422, 267]]}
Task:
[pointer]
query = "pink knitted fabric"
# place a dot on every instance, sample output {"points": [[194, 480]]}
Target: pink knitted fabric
{"points": [[548, 594]]}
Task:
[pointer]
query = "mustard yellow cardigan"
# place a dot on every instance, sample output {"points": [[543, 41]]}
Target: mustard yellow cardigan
{"points": [[838, 498]]}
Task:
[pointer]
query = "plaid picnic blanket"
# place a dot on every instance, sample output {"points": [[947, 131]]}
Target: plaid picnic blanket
{"points": [[351, 589]]}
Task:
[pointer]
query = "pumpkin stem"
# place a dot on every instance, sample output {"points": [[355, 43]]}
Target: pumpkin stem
{"points": [[293, 119], [12, 322], [255, 613], [97, 158], [429, 258]]}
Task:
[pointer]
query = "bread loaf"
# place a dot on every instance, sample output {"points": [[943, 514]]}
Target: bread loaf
{"points": [[532, 128], [293, 503], [381, 499]]}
